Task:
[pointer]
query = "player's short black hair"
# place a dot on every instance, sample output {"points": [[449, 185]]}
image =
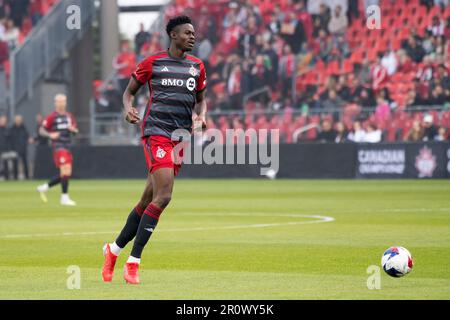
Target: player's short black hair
{"points": [[174, 22]]}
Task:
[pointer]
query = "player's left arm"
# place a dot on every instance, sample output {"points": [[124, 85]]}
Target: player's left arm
{"points": [[73, 128], [200, 111], [201, 107]]}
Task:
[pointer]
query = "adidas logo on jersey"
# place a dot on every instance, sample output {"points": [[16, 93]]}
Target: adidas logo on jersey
{"points": [[165, 69]]}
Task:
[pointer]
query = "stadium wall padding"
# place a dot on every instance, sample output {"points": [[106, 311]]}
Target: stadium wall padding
{"points": [[308, 161]]}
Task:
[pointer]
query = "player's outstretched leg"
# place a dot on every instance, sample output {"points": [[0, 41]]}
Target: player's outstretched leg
{"points": [[66, 173], [112, 250], [162, 180], [42, 189]]}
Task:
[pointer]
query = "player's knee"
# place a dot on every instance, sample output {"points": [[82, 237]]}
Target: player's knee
{"points": [[163, 200]]}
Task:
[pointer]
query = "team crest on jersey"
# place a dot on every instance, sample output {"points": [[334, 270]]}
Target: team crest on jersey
{"points": [[160, 153], [193, 71]]}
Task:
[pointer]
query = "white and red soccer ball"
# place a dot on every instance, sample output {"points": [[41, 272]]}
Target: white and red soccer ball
{"points": [[397, 262]]}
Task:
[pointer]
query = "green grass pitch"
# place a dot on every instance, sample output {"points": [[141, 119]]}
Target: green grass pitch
{"points": [[231, 239]]}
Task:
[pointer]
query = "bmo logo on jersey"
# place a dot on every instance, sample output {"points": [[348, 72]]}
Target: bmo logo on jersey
{"points": [[190, 83]]}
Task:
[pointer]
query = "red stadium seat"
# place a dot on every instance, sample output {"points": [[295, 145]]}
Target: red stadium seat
{"points": [[347, 66], [333, 67]]}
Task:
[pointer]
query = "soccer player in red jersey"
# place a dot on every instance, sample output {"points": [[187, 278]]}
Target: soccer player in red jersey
{"points": [[177, 83], [60, 126]]}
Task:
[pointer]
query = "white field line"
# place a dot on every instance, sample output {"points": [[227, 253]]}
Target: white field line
{"points": [[317, 219]]}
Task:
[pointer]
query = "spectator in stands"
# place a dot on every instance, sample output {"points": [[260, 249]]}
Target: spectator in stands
{"points": [[274, 26], [379, 73], [366, 98], [333, 101], [447, 28], [2, 29], [4, 146], [416, 133], [18, 10], [325, 44], [4, 53], [358, 134], [355, 88], [383, 111], [353, 10], [440, 46], [343, 89], [286, 68], [425, 70], [338, 22], [206, 26], [413, 99], [405, 64], [4, 8], [38, 138], [111, 100], [11, 36], [293, 32], [231, 17], [341, 133], [327, 133], [20, 139], [437, 97], [437, 27], [414, 50], [141, 37], [333, 104], [247, 40], [324, 16], [430, 130], [373, 134], [341, 45], [442, 134], [235, 87], [124, 63], [443, 76], [389, 62], [149, 48], [271, 54], [429, 43]]}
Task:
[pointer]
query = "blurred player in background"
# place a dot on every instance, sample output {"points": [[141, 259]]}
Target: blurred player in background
{"points": [[60, 126], [177, 84]]}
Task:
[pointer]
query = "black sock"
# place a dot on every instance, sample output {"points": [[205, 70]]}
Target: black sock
{"points": [[54, 182], [146, 228], [65, 185], [130, 229]]}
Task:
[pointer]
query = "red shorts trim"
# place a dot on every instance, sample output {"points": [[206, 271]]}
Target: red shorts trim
{"points": [[160, 152], [62, 157]]}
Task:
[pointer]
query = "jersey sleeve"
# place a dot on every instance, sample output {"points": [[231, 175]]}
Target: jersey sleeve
{"points": [[201, 85], [48, 122], [144, 71]]}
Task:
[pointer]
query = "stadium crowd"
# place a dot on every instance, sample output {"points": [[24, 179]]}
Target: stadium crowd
{"points": [[316, 62], [17, 18]]}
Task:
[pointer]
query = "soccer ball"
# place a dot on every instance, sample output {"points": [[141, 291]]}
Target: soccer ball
{"points": [[397, 262]]}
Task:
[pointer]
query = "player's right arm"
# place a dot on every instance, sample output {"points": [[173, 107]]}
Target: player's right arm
{"points": [[45, 129], [131, 114], [141, 76]]}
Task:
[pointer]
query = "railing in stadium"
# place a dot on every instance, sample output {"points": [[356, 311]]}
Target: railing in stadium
{"points": [[45, 46], [111, 129]]}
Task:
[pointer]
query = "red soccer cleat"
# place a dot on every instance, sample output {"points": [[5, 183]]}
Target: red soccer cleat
{"points": [[110, 262], [131, 274]]}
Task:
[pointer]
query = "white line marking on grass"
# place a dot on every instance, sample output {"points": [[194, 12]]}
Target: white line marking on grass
{"points": [[318, 219], [415, 209]]}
